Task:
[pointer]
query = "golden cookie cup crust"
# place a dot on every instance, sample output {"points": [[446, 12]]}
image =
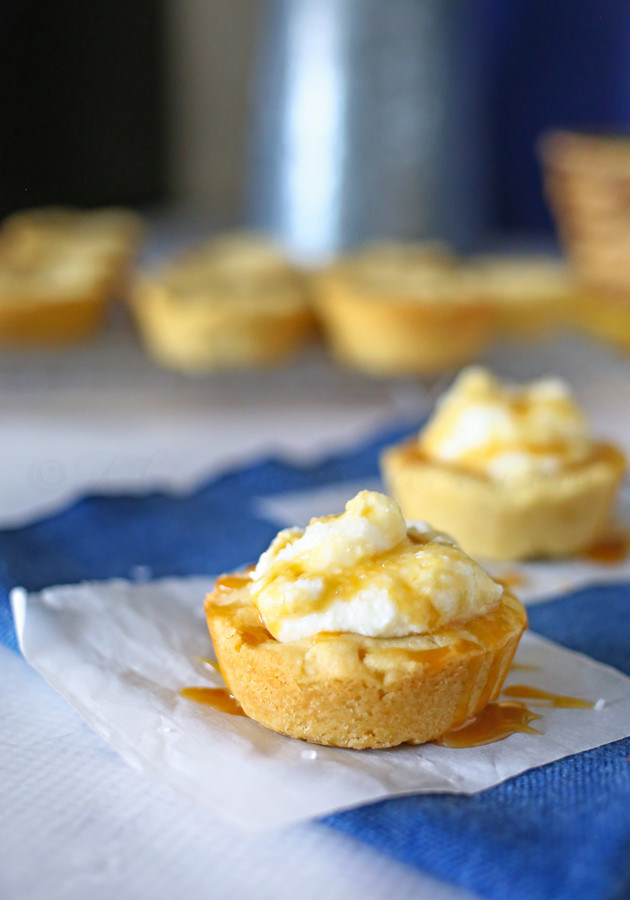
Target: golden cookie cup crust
{"points": [[383, 334], [345, 690], [533, 320], [554, 515], [42, 303], [527, 320], [33, 322], [111, 236], [533, 294], [197, 336]]}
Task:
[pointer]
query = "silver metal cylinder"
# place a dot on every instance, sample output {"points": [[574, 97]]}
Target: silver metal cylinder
{"points": [[368, 124]]}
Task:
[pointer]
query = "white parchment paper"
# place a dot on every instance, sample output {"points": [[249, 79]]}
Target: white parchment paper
{"points": [[120, 652]]}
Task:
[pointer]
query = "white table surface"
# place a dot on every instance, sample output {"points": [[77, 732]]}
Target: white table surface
{"points": [[75, 821]]}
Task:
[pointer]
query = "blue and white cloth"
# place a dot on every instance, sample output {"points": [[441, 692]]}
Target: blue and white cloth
{"points": [[561, 831]]}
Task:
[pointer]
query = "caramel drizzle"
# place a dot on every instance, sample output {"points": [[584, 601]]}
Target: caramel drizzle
{"points": [[412, 453], [217, 698], [256, 635], [559, 701], [417, 538], [231, 582], [213, 663]]}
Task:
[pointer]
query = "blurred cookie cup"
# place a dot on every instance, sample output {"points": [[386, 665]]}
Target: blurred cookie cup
{"points": [[534, 295], [58, 270], [235, 301], [409, 309], [511, 472]]}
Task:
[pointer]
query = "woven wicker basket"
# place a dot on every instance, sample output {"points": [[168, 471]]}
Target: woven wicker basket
{"points": [[587, 181]]}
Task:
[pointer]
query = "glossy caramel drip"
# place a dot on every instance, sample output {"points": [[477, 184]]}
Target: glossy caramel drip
{"points": [[213, 663], [433, 658], [231, 582], [494, 679], [218, 698], [488, 632], [462, 713], [495, 722], [256, 635], [609, 551], [488, 629], [320, 637], [413, 453], [558, 700]]}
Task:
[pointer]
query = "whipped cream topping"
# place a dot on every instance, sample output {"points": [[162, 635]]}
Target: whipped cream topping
{"points": [[506, 431], [368, 572]]}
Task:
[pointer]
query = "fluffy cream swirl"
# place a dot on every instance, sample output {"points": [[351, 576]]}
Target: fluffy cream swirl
{"points": [[505, 431], [367, 572]]}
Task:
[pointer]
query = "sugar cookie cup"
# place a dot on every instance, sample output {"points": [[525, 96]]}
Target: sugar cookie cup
{"points": [[510, 471], [403, 309], [58, 270], [234, 302], [29, 319], [345, 690], [534, 295], [546, 516]]}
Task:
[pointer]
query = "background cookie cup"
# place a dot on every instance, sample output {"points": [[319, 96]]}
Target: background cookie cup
{"points": [[58, 270], [403, 315], [62, 318], [534, 295], [234, 302], [194, 336], [346, 690], [549, 515]]}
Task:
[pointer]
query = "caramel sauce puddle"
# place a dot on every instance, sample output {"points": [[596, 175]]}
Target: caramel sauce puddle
{"points": [[495, 722]]}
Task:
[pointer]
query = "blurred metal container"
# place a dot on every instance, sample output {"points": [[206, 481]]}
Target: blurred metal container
{"points": [[368, 123]]}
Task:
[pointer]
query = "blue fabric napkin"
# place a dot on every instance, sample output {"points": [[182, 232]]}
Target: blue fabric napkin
{"points": [[561, 831]]}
